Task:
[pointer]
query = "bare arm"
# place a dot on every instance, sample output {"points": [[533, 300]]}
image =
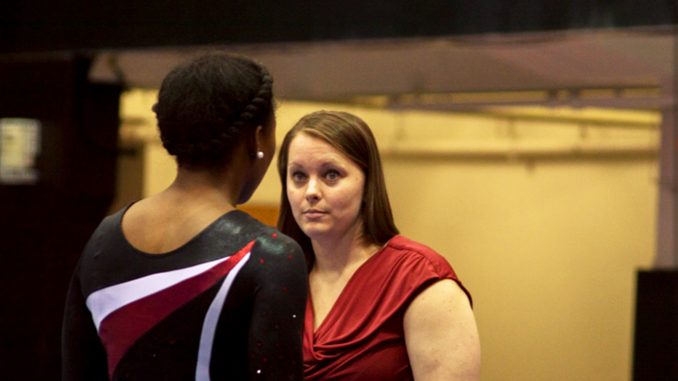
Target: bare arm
{"points": [[441, 335]]}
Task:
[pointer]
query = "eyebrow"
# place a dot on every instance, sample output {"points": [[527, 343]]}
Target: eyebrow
{"points": [[323, 164]]}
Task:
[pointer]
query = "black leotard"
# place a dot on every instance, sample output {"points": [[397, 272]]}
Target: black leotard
{"points": [[228, 305]]}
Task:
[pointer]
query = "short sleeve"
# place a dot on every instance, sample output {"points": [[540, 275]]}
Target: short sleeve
{"points": [[422, 268]]}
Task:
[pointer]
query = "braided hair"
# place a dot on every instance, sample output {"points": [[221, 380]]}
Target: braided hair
{"points": [[207, 106]]}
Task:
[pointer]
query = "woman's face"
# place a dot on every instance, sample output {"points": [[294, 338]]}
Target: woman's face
{"points": [[324, 189]]}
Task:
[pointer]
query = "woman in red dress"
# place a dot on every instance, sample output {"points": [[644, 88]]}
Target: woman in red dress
{"points": [[381, 306]]}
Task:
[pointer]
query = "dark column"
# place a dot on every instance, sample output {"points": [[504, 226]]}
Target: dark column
{"points": [[656, 336], [46, 221], [655, 354]]}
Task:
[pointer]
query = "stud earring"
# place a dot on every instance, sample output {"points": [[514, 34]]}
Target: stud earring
{"points": [[260, 155]]}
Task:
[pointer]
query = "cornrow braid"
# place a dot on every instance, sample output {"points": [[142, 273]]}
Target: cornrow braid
{"points": [[259, 108]]}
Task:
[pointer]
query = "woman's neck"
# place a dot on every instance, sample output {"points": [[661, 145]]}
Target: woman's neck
{"points": [[169, 219], [204, 186], [336, 256]]}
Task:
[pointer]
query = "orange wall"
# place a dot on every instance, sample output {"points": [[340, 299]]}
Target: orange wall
{"points": [[549, 245]]}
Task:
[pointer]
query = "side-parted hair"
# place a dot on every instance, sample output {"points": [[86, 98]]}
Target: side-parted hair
{"points": [[207, 105], [352, 137]]}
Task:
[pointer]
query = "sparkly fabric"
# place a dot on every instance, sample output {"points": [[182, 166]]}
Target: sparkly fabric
{"points": [[228, 305], [362, 338]]}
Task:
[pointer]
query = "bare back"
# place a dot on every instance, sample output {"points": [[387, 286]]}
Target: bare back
{"points": [[167, 221]]}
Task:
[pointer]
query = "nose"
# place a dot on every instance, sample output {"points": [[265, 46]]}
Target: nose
{"points": [[312, 191]]}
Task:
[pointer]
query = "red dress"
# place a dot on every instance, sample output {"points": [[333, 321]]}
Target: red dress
{"points": [[362, 337]]}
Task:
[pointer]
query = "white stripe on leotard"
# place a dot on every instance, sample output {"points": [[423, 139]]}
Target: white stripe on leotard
{"points": [[202, 371]]}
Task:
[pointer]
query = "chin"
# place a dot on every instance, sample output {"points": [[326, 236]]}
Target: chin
{"points": [[314, 232], [246, 193], [243, 199]]}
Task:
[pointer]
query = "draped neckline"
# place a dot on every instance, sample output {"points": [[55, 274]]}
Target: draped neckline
{"points": [[310, 312]]}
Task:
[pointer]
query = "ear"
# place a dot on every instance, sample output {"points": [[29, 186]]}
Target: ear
{"points": [[256, 142]]}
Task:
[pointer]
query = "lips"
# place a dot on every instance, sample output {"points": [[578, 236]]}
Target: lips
{"points": [[313, 213]]}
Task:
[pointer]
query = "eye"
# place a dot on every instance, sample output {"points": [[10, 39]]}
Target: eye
{"points": [[297, 176], [332, 175]]}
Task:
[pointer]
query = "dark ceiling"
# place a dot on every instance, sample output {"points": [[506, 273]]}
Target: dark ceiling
{"points": [[80, 25]]}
